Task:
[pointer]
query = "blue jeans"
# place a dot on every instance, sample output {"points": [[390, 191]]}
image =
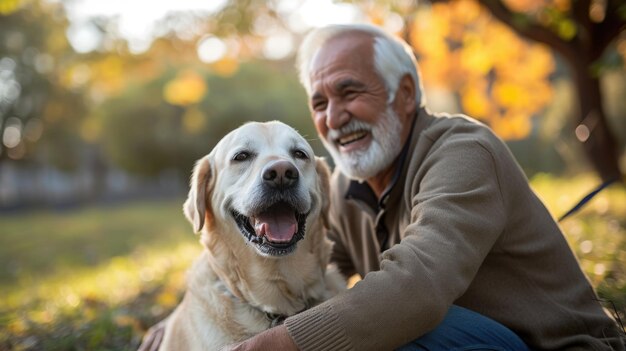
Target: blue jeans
{"points": [[464, 330]]}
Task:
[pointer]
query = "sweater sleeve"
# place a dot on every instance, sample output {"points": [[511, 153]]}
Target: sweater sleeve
{"points": [[456, 216]]}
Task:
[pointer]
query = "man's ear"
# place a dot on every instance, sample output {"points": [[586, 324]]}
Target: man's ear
{"points": [[405, 95], [323, 178], [195, 205]]}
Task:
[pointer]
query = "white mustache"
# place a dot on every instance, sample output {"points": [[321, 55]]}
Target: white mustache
{"points": [[353, 126]]}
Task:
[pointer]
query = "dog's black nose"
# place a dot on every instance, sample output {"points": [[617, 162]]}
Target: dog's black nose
{"points": [[280, 174]]}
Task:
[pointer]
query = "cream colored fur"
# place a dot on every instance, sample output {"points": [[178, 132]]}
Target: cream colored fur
{"points": [[231, 285]]}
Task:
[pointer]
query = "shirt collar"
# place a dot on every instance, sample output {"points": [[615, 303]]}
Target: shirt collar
{"points": [[361, 191]]}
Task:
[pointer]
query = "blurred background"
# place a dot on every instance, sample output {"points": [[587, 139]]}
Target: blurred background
{"points": [[105, 105]]}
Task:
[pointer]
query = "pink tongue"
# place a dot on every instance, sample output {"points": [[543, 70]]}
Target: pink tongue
{"points": [[278, 225]]}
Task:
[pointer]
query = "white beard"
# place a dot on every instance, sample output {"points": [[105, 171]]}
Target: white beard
{"points": [[383, 150]]}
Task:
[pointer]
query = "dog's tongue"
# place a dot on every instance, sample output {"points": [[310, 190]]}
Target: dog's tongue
{"points": [[278, 224]]}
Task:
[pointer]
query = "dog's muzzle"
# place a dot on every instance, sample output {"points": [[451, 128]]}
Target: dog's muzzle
{"points": [[279, 221], [274, 231]]}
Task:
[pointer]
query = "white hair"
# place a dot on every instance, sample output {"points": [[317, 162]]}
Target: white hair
{"points": [[393, 58]]}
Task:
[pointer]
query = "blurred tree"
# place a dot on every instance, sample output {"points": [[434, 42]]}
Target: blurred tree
{"points": [[500, 77], [39, 106], [502, 70], [185, 111], [196, 82]]}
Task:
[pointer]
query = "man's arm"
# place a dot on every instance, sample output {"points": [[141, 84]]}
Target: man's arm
{"points": [[456, 218], [153, 337], [273, 339]]}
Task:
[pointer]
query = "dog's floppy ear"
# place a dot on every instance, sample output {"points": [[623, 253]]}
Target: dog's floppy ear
{"points": [[323, 177], [195, 205]]}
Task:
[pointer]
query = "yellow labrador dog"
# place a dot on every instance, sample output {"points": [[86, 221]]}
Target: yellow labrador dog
{"points": [[260, 201]]}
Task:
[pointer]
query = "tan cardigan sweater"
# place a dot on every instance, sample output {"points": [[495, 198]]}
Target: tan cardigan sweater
{"points": [[464, 228]]}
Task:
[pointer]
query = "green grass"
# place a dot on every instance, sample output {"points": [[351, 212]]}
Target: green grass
{"points": [[597, 233], [97, 278], [92, 279]]}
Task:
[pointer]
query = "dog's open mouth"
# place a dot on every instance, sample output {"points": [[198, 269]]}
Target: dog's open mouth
{"points": [[274, 231]]}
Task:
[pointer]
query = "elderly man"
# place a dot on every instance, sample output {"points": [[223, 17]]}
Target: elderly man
{"points": [[455, 250]]}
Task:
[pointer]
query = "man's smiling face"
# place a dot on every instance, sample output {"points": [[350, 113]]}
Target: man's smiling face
{"points": [[350, 109]]}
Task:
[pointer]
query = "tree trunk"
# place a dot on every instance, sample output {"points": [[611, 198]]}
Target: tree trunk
{"points": [[593, 131], [580, 53]]}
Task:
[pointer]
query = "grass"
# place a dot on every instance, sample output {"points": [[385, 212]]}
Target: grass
{"points": [[597, 233], [92, 279], [97, 278]]}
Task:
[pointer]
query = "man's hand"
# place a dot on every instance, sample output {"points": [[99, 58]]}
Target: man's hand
{"points": [[153, 337], [273, 339]]}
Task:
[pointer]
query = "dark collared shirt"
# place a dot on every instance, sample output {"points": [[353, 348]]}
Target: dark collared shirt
{"points": [[361, 191]]}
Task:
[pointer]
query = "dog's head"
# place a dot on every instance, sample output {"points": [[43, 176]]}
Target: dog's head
{"points": [[263, 181]]}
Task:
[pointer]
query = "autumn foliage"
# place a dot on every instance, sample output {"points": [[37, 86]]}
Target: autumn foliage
{"points": [[501, 79]]}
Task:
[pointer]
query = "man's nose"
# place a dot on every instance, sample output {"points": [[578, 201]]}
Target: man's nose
{"points": [[336, 115]]}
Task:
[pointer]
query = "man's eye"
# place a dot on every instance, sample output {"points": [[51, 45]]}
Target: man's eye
{"points": [[319, 106], [241, 156], [350, 94], [300, 155]]}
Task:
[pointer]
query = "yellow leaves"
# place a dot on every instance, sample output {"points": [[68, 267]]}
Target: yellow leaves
{"points": [[511, 126], [566, 29], [510, 95], [91, 129], [562, 5], [524, 5], [502, 79], [534, 6], [475, 101], [194, 120], [125, 320], [226, 66], [7, 7], [167, 298], [109, 75], [466, 11], [187, 88], [553, 14], [475, 57], [539, 62], [17, 326]]}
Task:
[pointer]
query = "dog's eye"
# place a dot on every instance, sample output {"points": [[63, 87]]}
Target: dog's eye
{"points": [[300, 154], [241, 156]]}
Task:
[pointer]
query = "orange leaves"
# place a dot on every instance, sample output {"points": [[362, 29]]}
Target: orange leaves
{"points": [[475, 101], [524, 5], [511, 126], [552, 14], [225, 67], [109, 75], [187, 88], [502, 80]]}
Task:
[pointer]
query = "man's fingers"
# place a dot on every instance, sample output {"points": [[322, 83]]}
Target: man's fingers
{"points": [[158, 337], [152, 340], [232, 347]]}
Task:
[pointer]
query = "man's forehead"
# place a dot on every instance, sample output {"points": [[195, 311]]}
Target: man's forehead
{"points": [[347, 49]]}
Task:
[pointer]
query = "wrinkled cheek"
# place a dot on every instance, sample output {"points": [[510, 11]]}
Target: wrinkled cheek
{"points": [[320, 126]]}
